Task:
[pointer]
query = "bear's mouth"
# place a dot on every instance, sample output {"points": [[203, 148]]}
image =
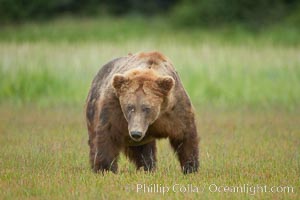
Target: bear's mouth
{"points": [[143, 141], [137, 140]]}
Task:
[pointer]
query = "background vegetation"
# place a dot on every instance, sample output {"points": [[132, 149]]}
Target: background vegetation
{"points": [[238, 60], [54, 62], [184, 13]]}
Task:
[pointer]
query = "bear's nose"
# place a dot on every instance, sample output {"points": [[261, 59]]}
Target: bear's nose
{"points": [[136, 134]]}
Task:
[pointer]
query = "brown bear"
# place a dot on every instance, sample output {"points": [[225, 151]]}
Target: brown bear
{"points": [[134, 100]]}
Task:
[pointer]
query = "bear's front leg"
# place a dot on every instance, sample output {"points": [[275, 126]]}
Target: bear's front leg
{"points": [[143, 156], [105, 154], [187, 151]]}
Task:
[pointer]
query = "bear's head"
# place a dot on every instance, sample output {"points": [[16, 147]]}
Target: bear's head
{"points": [[141, 94]]}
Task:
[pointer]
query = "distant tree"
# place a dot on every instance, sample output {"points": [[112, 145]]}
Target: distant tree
{"points": [[183, 12], [251, 12], [13, 10]]}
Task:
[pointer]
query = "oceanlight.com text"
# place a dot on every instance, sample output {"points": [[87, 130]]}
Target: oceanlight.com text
{"points": [[212, 188]]}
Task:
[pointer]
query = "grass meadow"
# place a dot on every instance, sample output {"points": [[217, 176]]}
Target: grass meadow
{"points": [[245, 88]]}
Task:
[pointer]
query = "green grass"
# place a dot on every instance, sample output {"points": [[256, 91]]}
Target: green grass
{"points": [[121, 30], [44, 155], [224, 76], [54, 62], [245, 88]]}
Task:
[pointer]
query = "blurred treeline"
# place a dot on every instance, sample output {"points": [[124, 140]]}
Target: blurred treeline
{"points": [[256, 13]]}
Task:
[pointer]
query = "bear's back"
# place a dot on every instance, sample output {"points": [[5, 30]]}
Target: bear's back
{"points": [[152, 60]]}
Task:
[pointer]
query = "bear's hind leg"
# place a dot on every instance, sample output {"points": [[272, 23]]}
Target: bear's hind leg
{"points": [[143, 156]]}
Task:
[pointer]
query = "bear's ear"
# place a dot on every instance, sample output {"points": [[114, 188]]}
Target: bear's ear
{"points": [[118, 81], [165, 84]]}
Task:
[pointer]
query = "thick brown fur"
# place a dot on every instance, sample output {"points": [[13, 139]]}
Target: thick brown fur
{"points": [[150, 79]]}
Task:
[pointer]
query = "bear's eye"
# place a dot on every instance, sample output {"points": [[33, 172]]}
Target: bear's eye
{"points": [[146, 109], [130, 108]]}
